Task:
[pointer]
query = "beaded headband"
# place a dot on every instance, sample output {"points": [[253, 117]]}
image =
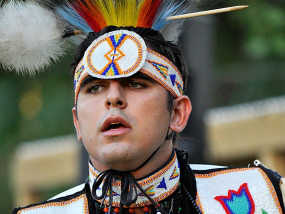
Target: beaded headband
{"points": [[121, 54]]}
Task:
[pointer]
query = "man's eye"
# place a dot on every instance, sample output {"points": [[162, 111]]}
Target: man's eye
{"points": [[135, 84], [94, 88]]}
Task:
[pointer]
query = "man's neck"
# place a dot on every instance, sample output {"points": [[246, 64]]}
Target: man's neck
{"points": [[156, 161], [151, 187]]}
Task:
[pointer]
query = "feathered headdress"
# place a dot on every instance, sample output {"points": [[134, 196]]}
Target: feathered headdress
{"points": [[32, 33], [94, 15]]}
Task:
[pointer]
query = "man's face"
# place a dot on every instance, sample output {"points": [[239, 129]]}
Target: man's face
{"points": [[122, 122]]}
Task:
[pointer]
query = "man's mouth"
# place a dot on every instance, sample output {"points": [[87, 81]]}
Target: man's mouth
{"points": [[115, 126]]}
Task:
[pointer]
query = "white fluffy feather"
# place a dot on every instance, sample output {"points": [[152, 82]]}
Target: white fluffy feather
{"points": [[30, 37]]}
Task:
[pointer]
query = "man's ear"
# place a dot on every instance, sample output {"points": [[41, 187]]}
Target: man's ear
{"points": [[76, 123], [180, 114]]}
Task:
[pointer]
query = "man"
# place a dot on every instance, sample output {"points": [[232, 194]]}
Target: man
{"points": [[129, 106]]}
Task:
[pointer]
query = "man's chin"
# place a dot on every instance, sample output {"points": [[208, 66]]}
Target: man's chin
{"points": [[119, 165], [121, 161]]}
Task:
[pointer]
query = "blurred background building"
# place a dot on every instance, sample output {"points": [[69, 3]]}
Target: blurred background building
{"points": [[237, 62]]}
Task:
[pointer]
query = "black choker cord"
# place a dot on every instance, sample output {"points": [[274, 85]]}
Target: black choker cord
{"points": [[176, 204], [146, 161], [128, 184], [129, 187], [169, 136]]}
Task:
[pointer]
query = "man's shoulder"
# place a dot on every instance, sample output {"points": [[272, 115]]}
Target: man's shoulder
{"points": [[224, 189], [72, 201]]}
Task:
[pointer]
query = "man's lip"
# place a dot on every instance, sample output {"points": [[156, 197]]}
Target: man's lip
{"points": [[116, 132], [114, 119]]}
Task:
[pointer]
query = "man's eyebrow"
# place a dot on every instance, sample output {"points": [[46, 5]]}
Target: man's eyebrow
{"points": [[86, 81], [143, 76], [138, 75]]}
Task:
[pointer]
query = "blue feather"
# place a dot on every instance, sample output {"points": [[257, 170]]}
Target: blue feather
{"points": [[170, 8], [73, 18]]}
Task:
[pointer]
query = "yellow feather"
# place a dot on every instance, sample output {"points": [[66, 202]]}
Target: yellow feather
{"points": [[119, 12], [130, 13], [120, 8], [108, 10]]}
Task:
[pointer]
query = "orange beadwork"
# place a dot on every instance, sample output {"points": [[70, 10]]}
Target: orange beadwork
{"points": [[131, 69], [59, 204], [116, 210], [143, 183], [131, 210], [105, 210], [146, 209]]}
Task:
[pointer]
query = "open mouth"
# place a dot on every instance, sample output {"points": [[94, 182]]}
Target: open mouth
{"points": [[115, 126]]}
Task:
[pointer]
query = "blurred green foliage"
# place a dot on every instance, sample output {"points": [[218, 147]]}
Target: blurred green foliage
{"points": [[256, 33], [265, 33], [249, 65], [32, 107], [250, 53]]}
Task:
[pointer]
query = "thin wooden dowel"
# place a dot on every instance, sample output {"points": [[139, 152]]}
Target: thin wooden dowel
{"points": [[207, 12]]}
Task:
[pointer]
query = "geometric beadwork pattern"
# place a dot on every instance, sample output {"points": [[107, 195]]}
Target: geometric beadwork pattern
{"points": [[122, 53], [164, 72], [78, 73], [116, 54], [237, 191], [174, 174], [150, 191], [162, 184], [162, 69], [238, 202], [158, 185]]}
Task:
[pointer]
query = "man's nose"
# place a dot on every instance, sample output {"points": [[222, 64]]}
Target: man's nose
{"points": [[116, 96]]}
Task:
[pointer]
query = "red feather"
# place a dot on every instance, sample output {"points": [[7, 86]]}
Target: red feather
{"points": [[148, 12], [92, 16]]}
